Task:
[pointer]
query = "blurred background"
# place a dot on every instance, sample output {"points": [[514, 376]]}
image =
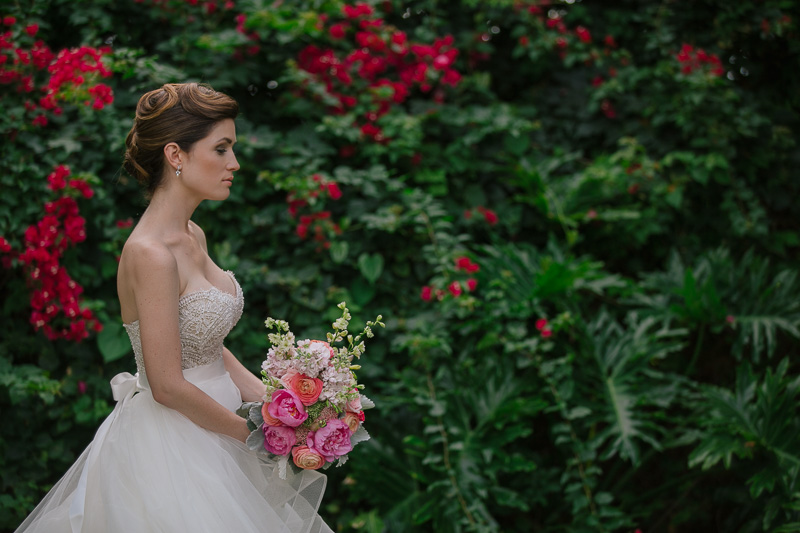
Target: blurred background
{"points": [[577, 218]]}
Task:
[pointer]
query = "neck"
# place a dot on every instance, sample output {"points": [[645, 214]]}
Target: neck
{"points": [[170, 210]]}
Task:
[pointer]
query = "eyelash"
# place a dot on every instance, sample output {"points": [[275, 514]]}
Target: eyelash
{"points": [[221, 151]]}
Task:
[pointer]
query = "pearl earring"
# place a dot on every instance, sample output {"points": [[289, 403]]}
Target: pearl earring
{"points": [[178, 172]]}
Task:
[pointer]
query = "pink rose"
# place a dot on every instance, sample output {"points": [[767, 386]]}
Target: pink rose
{"points": [[268, 418], [307, 389], [352, 420], [287, 408], [331, 441], [305, 458], [354, 404], [279, 440]]}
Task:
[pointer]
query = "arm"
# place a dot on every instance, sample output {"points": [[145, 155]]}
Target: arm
{"points": [[251, 387], [157, 288]]}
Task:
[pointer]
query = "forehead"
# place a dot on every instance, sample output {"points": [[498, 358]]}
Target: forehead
{"points": [[223, 129]]}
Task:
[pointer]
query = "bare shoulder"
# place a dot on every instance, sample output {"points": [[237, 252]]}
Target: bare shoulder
{"points": [[148, 274], [146, 262], [199, 234], [140, 255]]}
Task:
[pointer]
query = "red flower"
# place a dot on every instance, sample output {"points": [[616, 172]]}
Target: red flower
{"points": [[454, 288], [610, 42], [472, 284], [546, 333], [9, 21], [597, 81], [338, 31], [333, 191], [302, 230], [583, 34], [523, 41], [357, 10], [541, 324], [608, 108], [5, 247], [125, 223], [32, 29], [489, 215], [561, 42], [426, 293]]}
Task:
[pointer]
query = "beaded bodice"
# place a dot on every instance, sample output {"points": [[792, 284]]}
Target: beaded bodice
{"points": [[205, 317]]}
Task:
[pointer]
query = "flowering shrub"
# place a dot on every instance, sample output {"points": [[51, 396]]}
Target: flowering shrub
{"points": [[54, 293], [575, 215], [49, 80], [374, 69]]}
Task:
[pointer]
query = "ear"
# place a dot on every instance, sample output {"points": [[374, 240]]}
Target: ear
{"points": [[173, 155]]}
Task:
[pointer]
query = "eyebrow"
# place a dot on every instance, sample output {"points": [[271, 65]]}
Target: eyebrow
{"points": [[226, 139]]}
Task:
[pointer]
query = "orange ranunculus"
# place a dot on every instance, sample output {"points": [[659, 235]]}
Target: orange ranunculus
{"points": [[352, 420], [307, 389], [268, 418], [307, 459]]}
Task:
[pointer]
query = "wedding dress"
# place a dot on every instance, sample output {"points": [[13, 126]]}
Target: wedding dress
{"points": [[150, 469]]}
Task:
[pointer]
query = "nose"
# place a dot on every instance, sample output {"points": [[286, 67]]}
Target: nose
{"points": [[234, 166]]}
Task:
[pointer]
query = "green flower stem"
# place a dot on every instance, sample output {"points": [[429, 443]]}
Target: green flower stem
{"points": [[446, 456]]}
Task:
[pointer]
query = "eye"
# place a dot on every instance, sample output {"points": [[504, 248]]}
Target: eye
{"points": [[221, 151]]}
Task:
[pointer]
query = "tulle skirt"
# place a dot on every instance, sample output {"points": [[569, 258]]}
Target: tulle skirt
{"points": [[151, 469]]}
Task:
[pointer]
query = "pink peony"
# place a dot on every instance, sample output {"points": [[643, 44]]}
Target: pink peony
{"points": [[307, 389], [332, 441], [279, 440], [307, 459], [287, 407]]}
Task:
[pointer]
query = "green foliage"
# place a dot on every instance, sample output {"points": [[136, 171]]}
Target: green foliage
{"points": [[584, 249]]}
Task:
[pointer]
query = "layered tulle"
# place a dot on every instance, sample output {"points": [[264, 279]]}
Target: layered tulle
{"points": [[150, 469]]}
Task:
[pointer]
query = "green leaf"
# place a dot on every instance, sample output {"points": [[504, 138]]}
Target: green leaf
{"points": [[371, 266], [113, 341], [339, 251]]}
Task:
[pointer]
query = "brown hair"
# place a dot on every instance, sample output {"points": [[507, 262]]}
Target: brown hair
{"points": [[182, 113]]}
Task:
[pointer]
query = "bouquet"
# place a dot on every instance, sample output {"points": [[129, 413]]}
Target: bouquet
{"points": [[313, 409]]}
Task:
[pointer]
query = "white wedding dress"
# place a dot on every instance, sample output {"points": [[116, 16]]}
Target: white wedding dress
{"points": [[150, 469]]}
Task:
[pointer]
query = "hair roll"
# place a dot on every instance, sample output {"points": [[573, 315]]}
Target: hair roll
{"points": [[182, 113]]}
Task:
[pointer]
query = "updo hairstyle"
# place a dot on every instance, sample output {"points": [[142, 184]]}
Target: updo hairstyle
{"points": [[182, 113]]}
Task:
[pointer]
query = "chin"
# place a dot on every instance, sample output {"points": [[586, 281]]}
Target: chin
{"points": [[220, 197]]}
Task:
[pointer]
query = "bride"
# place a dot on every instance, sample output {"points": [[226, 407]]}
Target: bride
{"points": [[171, 456]]}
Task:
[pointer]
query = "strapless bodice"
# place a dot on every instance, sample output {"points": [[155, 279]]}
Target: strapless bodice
{"points": [[205, 318]]}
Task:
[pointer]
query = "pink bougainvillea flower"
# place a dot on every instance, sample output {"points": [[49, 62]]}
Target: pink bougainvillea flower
{"points": [[426, 293], [333, 190], [454, 288], [338, 31]]}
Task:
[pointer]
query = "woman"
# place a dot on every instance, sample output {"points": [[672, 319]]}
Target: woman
{"points": [[171, 458]]}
